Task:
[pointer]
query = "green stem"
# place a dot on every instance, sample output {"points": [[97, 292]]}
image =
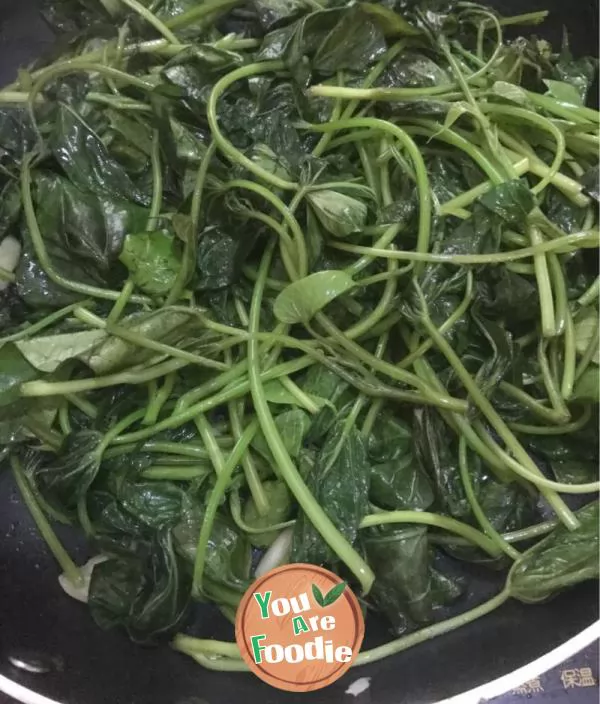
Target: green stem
{"points": [[435, 520], [528, 116], [43, 525], [537, 478], [159, 399], [236, 390], [152, 19], [60, 388], [591, 295], [423, 188], [248, 465], [425, 634], [200, 11], [235, 155], [40, 248], [170, 350], [584, 240], [550, 383], [120, 303], [223, 479], [176, 473], [572, 427], [590, 352], [478, 512], [314, 512], [496, 422], [569, 358], [236, 514]]}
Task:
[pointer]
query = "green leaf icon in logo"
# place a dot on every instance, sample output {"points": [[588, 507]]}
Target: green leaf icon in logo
{"points": [[318, 594], [332, 595]]}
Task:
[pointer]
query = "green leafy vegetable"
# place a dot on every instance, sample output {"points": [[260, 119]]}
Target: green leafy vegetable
{"points": [[340, 214], [558, 561], [311, 279], [152, 260], [300, 301]]}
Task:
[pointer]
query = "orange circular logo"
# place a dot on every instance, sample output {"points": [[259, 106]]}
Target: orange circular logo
{"points": [[299, 627]]}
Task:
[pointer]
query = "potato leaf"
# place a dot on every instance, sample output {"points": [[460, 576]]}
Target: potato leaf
{"points": [[586, 325], [564, 93], [587, 387], [340, 481], [512, 201], [280, 506], [14, 371], [115, 352], [153, 261], [340, 214], [560, 560], [86, 161], [293, 426], [354, 43], [391, 23], [300, 300], [67, 477], [148, 597], [400, 559], [47, 353]]}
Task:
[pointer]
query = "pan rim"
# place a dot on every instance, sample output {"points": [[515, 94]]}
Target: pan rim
{"points": [[483, 692]]}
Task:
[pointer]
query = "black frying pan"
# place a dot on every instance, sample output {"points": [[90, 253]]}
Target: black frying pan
{"points": [[41, 628]]}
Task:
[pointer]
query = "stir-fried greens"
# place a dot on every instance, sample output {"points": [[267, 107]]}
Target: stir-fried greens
{"points": [[302, 281]]}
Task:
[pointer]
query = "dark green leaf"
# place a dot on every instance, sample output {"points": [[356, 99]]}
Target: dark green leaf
{"points": [[47, 352], [220, 258], [228, 551], [324, 384], [587, 387], [153, 261], [279, 509], [162, 325], [301, 300], [397, 481], [412, 69], [272, 12], [512, 201], [86, 162], [293, 426], [341, 215], [14, 371], [66, 478], [560, 560], [155, 504], [339, 481], [390, 23], [83, 233], [354, 43], [149, 598], [403, 576]]}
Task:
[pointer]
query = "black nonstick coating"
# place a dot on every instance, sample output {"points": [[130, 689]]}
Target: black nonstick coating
{"points": [[89, 666]]}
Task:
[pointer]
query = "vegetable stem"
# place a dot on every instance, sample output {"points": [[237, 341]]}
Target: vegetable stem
{"points": [[500, 427], [43, 525], [315, 513]]}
